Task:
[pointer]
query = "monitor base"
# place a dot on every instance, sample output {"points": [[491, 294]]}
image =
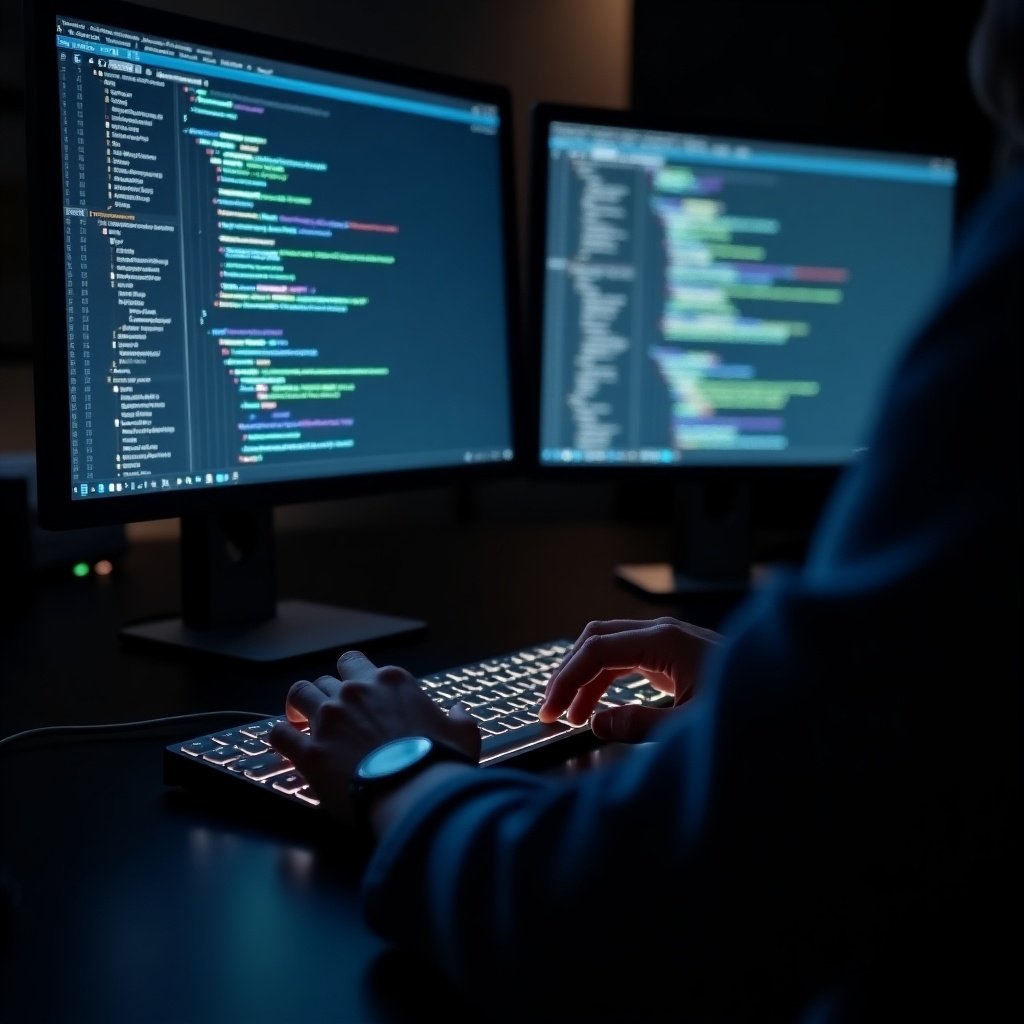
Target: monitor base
{"points": [[661, 581], [299, 628]]}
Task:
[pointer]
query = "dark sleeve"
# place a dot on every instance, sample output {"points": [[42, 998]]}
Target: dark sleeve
{"points": [[841, 796]]}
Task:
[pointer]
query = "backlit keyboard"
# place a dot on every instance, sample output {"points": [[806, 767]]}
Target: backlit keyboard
{"points": [[502, 693]]}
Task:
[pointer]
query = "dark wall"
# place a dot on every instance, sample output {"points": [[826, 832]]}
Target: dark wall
{"points": [[856, 69]]}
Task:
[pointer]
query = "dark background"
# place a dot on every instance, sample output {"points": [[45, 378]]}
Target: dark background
{"points": [[849, 70]]}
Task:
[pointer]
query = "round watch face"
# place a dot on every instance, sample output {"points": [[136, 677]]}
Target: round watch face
{"points": [[394, 756]]}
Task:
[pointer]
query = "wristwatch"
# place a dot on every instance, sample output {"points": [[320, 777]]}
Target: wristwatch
{"points": [[390, 764]]}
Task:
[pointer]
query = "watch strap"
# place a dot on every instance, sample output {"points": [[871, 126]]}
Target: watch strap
{"points": [[363, 791]]}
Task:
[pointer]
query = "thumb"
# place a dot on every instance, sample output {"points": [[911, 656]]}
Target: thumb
{"points": [[465, 731], [629, 724]]}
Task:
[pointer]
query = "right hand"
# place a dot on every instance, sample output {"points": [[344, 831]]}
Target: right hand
{"points": [[667, 651]]}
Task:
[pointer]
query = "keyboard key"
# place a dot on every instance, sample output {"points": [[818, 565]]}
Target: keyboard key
{"points": [[258, 729], [253, 747], [265, 767], [203, 745], [290, 783], [223, 755]]}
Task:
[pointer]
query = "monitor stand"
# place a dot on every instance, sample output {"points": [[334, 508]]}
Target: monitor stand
{"points": [[229, 602], [711, 530]]}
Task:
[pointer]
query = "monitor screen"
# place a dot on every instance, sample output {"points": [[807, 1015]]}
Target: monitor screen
{"points": [[712, 305], [264, 272]]}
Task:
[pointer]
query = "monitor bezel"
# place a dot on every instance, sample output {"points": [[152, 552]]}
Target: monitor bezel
{"points": [[56, 508], [542, 115]]}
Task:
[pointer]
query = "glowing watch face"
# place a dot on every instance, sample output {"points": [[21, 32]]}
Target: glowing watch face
{"points": [[394, 756]]}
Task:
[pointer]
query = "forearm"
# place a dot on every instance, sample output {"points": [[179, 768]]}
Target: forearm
{"points": [[395, 805], [485, 867]]}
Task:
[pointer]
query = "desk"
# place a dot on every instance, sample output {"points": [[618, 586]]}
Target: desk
{"points": [[138, 905]]}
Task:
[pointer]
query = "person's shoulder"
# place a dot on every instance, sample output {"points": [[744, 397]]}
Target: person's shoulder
{"points": [[994, 230], [972, 334]]}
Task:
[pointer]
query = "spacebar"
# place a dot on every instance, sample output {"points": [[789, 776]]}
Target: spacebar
{"points": [[534, 735]]}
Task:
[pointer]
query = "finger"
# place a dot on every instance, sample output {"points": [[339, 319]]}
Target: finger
{"points": [[596, 656], [329, 685], [466, 732], [603, 627], [608, 627], [355, 665], [664, 650], [583, 702], [289, 741], [630, 724], [393, 675], [303, 700], [557, 699]]}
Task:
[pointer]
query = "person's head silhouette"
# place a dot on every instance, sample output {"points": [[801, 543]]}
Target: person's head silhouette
{"points": [[996, 70]]}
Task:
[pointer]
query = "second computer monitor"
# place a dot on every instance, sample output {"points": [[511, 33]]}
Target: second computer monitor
{"points": [[713, 303]]}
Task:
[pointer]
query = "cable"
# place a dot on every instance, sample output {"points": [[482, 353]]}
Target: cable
{"points": [[113, 727]]}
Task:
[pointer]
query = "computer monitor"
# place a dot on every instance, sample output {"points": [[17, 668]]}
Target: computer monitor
{"points": [[716, 309], [263, 273]]}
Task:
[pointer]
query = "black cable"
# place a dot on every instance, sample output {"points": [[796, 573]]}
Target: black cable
{"points": [[117, 727]]}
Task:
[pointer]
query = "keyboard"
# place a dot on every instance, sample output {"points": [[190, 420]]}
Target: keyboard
{"points": [[502, 693]]}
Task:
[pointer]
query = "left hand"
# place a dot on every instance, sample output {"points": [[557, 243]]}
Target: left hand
{"points": [[355, 712]]}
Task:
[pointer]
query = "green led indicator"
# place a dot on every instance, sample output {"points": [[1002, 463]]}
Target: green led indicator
{"points": [[80, 569]]}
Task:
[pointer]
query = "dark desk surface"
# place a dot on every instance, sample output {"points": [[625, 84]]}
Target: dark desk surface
{"points": [[137, 905]]}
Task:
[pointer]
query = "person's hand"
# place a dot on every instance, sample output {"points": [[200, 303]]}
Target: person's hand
{"points": [[351, 714], [667, 651]]}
